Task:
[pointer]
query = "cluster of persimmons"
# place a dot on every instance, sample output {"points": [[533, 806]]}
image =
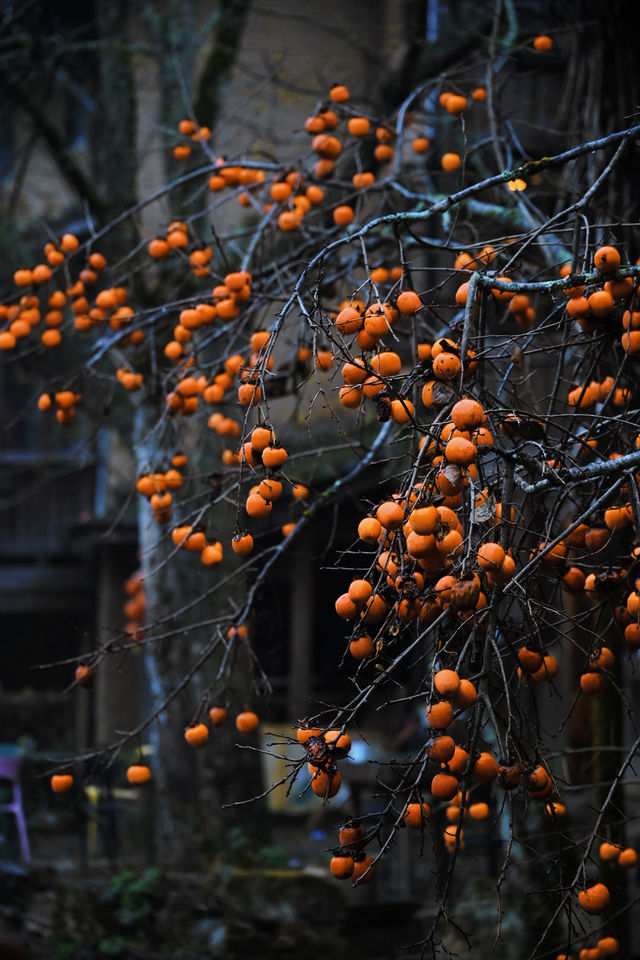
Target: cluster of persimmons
{"points": [[502, 529]]}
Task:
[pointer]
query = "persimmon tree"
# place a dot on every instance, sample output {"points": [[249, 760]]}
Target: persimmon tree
{"points": [[459, 316]]}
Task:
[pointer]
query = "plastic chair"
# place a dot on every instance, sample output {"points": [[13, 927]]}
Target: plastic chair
{"points": [[10, 764]]}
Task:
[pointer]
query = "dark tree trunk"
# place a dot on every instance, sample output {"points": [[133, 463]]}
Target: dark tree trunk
{"points": [[191, 785], [221, 53], [115, 134]]}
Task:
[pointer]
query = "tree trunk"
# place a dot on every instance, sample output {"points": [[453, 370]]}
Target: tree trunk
{"points": [[220, 56], [191, 785], [114, 136]]}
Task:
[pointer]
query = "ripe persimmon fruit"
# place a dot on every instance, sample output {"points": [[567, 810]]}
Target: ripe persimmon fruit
{"points": [[416, 814], [138, 773], [217, 716], [440, 714], [61, 782], [343, 215], [543, 43], [341, 867], [197, 735], [606, 259], [444, 786], [450, 162], [594, 899], [363, 871], [247, 721]]}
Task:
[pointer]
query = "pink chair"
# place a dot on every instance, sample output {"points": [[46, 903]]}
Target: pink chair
{"points": [[10, 764]]}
